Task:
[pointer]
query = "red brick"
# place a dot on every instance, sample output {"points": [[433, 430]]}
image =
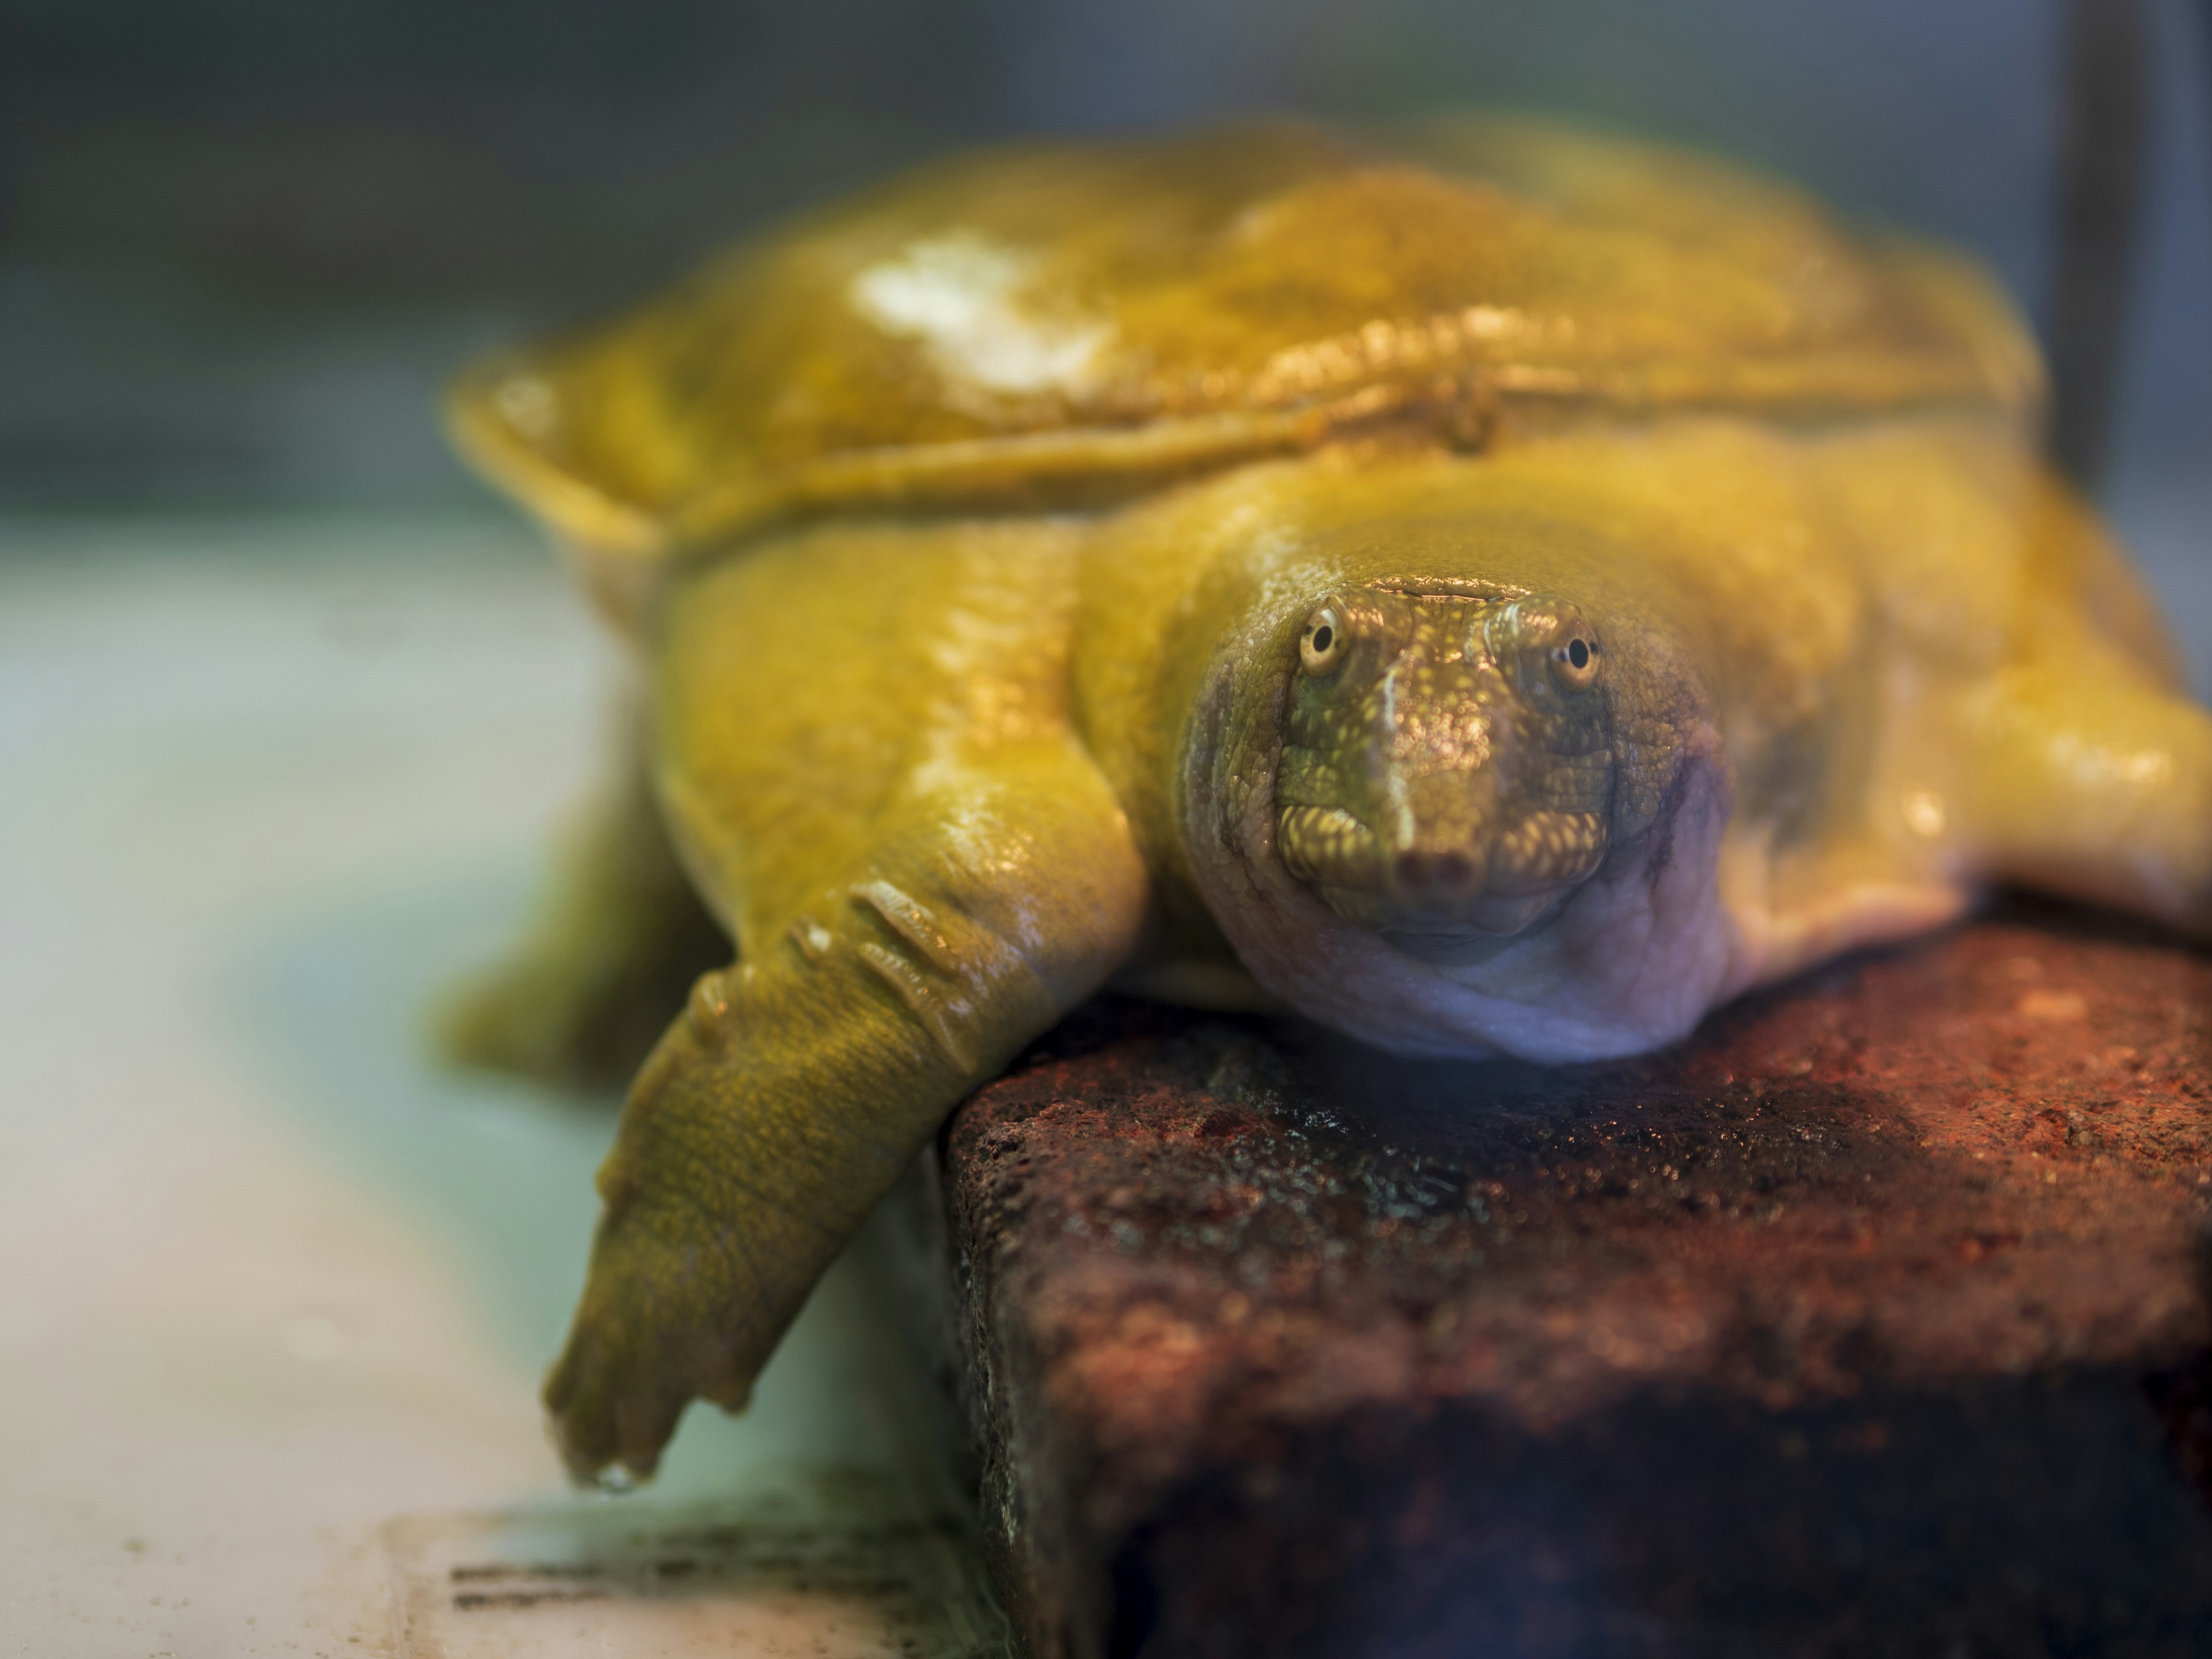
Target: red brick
{"points": [[1865, 1284]]}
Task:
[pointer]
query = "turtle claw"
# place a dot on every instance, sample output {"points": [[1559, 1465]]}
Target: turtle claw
{"points": [[649, 1337], [609, 1430]]}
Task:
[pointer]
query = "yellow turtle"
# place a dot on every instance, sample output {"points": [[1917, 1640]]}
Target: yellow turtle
{"points": [[1484, 587]]}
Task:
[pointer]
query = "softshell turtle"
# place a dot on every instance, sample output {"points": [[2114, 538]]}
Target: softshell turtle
{"points": [[1487, 588]]}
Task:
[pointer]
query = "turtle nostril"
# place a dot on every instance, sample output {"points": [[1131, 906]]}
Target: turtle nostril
{"points": [[1443, 873]]}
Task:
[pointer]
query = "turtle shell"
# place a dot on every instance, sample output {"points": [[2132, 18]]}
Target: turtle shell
{"points": [[1053, 326]]}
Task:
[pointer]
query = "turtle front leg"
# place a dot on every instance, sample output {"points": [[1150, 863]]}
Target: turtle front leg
{"points": [[782, 1106], [2078, 778]]}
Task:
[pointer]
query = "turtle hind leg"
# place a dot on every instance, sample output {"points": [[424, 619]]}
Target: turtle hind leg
{"points": [[617, 939]]}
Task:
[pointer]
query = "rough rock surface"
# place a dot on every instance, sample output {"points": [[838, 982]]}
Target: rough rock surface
{"points": [[1872, 1320]]}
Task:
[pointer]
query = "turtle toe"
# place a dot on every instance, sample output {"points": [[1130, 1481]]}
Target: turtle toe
{"points": [[609, 1420]]}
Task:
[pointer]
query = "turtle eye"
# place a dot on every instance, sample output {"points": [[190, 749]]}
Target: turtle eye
{"points": [[1575, 660], [1323, 646], [1552, 648]]}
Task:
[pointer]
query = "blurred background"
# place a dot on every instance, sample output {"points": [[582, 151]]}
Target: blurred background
{"points": [[241, 242], [289, 703]]}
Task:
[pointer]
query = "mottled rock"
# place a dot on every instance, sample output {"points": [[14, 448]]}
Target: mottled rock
{"points": [[1872, 1320]]}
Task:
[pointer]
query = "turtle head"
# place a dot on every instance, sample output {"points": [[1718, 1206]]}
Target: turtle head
{"points": [[1447, 766]]}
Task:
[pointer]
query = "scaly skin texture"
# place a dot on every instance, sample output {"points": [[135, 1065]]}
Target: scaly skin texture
{"points": [[1447, 760], [1493, 590]]}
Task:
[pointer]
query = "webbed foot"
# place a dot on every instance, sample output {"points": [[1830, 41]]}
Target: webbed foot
{"points": [[639, 1352], [729, 1191]]}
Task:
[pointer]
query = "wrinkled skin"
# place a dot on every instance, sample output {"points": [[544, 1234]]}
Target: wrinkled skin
{"points": [[1542, 746]]}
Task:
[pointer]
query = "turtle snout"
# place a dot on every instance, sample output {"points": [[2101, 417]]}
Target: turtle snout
{"points": [[1439, 813], [1443, 876]]}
